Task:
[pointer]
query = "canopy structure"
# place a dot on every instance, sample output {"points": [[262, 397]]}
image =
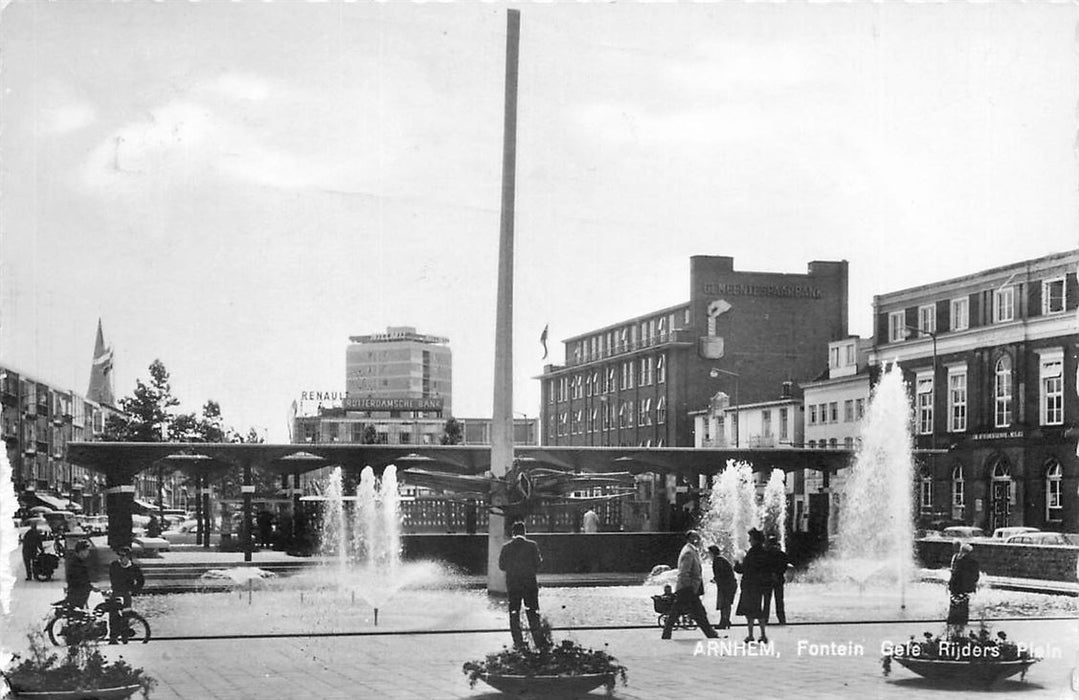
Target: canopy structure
{"points": [[120, 461]]}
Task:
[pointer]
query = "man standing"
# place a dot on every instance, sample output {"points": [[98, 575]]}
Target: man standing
{"points": [[778, 563], [520, 558], [963, 582], [726, 586], [127, 580], [32, 545], [79, 583], [590, 522], [688, 589]]}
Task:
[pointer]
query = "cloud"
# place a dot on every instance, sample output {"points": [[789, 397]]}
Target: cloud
{"points": [[67, 118]]}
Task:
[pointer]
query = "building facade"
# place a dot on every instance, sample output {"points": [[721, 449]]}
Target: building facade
{"points": [[37, 421], [742, 333], [991, 360], [399, 373]]}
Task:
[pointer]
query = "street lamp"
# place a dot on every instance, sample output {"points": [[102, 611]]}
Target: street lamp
{"points": [[714, 373]]}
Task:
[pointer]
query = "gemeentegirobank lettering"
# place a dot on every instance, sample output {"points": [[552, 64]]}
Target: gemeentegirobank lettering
{"points": [[373, 404], [763, 290]]}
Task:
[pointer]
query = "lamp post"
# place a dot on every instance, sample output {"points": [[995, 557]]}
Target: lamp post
{"points": [[714, 373]]}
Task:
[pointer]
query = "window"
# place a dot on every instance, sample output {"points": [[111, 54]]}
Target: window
{"points": [[1053, 296], [927, 493], [927, 318], [629, 414], [784, 434], [859, 408], [550, 391], [897, 326], [661, 369], [848, 411], [833, 443], [1052, 388], [1002, 392], [563, 422], [646, 412], [851, 356], [1054, 508], [1004, 305], [594, 421], [661, 410], [958, 487], [833, 357], [812, 444], [813, 414], [957, 399], [924, 407], [960, 314], [766, 423], [848, 442], [611, 373], [833, 412]]}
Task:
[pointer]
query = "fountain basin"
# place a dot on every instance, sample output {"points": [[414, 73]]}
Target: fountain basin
{"points": [[983, 673], [547, 686]]}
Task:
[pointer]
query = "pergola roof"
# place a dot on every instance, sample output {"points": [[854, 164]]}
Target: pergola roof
{"points": [[121, 461]]}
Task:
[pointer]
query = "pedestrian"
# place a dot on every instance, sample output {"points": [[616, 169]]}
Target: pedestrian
{"points": [[726, 586], [756, 581], [520, 558], [77, 574], [471, 516], [688, 589], [126, 579], [962, 583], [779, 562], [153, 528], [264, 521], [32, 545], [590, 522]]}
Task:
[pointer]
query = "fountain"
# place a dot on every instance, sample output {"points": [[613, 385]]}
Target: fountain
{"points": [[774, 508], [732, 510], [876, 528]]}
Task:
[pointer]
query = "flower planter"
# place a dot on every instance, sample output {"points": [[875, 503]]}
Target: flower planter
{"points": [[117, 693], [971, 672], [547, 686]]}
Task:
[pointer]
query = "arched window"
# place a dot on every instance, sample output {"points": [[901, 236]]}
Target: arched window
{"points": [[833, 443], [1054, 506], [926, 490], [958, 487], [812, 444], [1002, 392]]}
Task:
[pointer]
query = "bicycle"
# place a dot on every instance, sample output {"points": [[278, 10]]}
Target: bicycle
{"points": [[66, 618]]}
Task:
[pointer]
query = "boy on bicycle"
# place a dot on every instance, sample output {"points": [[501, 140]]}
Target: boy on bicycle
{"points": [[127, 580]]}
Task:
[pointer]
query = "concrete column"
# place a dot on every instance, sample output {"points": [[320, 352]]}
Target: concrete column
{"points": [[248, 490], [120, 503]]}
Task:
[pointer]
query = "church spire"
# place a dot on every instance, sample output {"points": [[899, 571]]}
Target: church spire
{"points": [[101, 372]]}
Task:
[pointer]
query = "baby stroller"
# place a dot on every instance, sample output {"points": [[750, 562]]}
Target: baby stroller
{"points": [[43, 565], [662, 605]]}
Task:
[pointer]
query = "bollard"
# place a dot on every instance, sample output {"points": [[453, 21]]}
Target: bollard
{"points": [[250, 587], [376, 617]]}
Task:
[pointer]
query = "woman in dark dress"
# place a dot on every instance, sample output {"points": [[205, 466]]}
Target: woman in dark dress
{"points": [[756, 582], [726, 586]]}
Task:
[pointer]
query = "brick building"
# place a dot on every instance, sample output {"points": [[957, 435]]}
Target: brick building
{"points": [[991, 360]]}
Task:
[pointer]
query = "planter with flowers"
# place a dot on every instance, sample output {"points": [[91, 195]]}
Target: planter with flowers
{"points": [[979, 658], [79, 673], [557, 670]]}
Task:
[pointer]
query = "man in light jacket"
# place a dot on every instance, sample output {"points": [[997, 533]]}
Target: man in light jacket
{"points": [[689, 588]]}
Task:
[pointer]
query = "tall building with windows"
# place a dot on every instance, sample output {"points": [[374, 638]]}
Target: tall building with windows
{"points": [[742, 333], [991, 361], [399, 372]]}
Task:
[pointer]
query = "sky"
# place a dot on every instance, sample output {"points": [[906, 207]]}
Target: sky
{"points": [[236, 188]]}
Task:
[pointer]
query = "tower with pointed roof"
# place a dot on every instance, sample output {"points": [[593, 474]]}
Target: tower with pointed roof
{"points": [[101, 372]]}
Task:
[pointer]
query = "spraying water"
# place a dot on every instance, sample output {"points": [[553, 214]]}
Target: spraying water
{"points": [[732, 510], [876, 525], [774, 508]]}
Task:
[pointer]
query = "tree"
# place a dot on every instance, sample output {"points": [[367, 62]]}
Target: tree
{"points": [[451, 432], [146, 415]]}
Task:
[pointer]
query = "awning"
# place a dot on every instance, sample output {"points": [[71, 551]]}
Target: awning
{"points": [[145, 505], [54, 502]]}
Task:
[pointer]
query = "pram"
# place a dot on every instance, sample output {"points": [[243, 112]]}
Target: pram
{"points": [[662, 605]]}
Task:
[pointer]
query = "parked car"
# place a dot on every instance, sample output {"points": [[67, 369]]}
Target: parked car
{"points": [[1003, 533], [963, 532], [1040, 538], [94, 524]]}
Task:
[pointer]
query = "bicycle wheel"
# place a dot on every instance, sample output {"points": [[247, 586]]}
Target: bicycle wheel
{"points": [[56, 630], [662, 620], [136, 630]]}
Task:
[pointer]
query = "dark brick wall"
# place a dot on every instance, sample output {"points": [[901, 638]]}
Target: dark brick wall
{"points": [[1014, 560], [562, 552]]}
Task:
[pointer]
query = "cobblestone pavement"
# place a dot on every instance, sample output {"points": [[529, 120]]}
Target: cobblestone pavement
{"points": [[803, 661]]}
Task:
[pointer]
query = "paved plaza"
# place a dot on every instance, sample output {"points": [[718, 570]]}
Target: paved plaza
{"points": [[804, 660]]}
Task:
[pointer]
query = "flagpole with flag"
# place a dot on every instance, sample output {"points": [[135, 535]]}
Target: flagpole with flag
{"points": [[543, 341]]}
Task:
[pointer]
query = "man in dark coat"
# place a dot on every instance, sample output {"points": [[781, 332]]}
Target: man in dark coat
{"points": [[962, 583], [127, 580], [688, 589], [32, 545], [77, 570], [778, 562], [520, 558], [726, 586]]}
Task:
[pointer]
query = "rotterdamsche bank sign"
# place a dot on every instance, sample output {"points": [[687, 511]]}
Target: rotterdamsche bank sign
{"points": [[389, 404]]}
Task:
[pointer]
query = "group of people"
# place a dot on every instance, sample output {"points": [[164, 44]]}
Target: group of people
{"points": [[125, 578], [763, 570]]}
